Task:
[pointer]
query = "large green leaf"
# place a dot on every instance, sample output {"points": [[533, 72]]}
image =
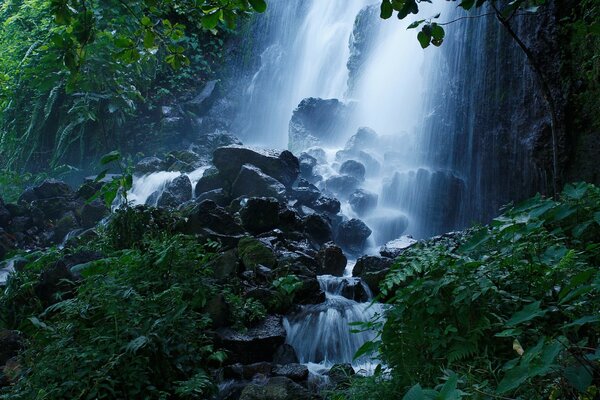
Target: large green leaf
{"points": [[258, 5], [528, 313]]}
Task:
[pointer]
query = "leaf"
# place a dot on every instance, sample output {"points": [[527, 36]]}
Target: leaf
{"points": [[415, 393], [589, 319], [575, 191], [424, 39], [579, 377], [258, 5], [211, 21], [110, 157], [517, 347], [449, 391], [415, 24], [528, 313], [367, 348], [137, 344], [467, 4], [509, 333], [386, 9]]}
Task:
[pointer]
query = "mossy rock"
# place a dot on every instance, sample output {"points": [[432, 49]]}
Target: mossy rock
{"points": [[254, 253]]}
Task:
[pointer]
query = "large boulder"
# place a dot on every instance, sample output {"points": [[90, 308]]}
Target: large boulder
{"points": [[226, 265], [148, 165], [254, 253], [258, 343], [364, 138], [208, 215], [372, 270], [92, 213], [296, 372], [282, 166], [277, 388], [327, 204], [52, 188], [252, 182], [210, 180], [353, 168], [342, 185], [318, 229], [307, 166], [394, 248], [332, 260], [317, 122], [285, 354], [352, 235], [260, 214], [363, 202], [340, 375], [176, 192]]}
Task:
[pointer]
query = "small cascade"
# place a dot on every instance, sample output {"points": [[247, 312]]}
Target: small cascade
{"points": [[321, 333], [147, 188]]}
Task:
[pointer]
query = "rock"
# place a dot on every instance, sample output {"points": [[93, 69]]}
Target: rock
{"points": [[54, 207], [306, 195], [258, 343], [354, 289], [354, 169], [252, 182], [277, 388], [341, 374], [199, 104], [260, 214], [182, 160], [317, 122], [52, 188], [372, 166], [5, 216], [149, 165], [207, 143], [210, 180], [92, 213], [394, 248], [218, 310], [363, 201], [362, 40], [372, 270], [364, 138], [225, 265], [6, 243], [307, 165], [176, 192], [254, 253], [11, 343], [296, 372], [207, 214], [332, 260], [285, 354], [342, 185], [53, 279], [20, 224], [327, 204], [218, 196], [352, 235], [282, 166], [248, 372], [310, 292], [318, 154], [66, 224], [27, 196], [318, 229]]}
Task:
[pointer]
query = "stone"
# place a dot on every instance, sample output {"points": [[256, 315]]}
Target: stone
{"points": [[307, 166], [317, 228], [332, 260], [276, 388], [54, 278], [11, 343], [207, 214], [218, 310], [354, 169], [148, 165], [318, 154], [282, 166], [354, 289], [92, 213], [225, 265], [341, 374], [5, 216], [394, 248], [206, 143], [200, 103], [260, 214], [254, 253], [52, 188], [66, 224], [352, 235], [252, 182], [211, 180], [327, 204], [372, 166], [176, 192], [363, 202], [285, 354], [296, 372], [183, 160], [306, 195], [341, 185], [218, 196], [310, 292], [372, 270], [364, 138], [258, 343]]}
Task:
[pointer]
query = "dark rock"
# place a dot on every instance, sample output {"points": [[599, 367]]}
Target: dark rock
{"points": [[27, 196], [295, 372], [342, 185], [211, 180], [327, 204], [252, 182], [152, 199], [6, 243], [225, 265], [394, 248], [332, 260], [282, 166], [254, 253], [218, 310], [66, 224], [218, 196], [372, 270], [352, 235], [363, 201], [149, 165], [307, 165], [318, 229], [52, 188], [200, 104], [306, 195], [54, 279], [341, 375], [54, 207], [310, 292], [207, 143], [5, 216], [11, 343], [318, 154], [20, 224], [353, 168], [362, 40], [247, 372], [285, 354], [317, 122], [183, 160], [372, 166], [277, 388], [260, 214], [258, 343], [208, 214], [354, 289], [176, 192], [92, 213]]}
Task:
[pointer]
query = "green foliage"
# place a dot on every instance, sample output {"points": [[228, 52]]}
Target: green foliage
{"points": [[117, 185], [286, 288], [512, 307]]}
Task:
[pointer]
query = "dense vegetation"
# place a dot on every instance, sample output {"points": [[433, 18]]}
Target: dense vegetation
{"points": [[509, 310]]}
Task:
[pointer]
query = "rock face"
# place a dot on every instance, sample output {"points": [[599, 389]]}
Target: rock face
{"points": [[317, 122], [277, 388], [177, 192], [282, 166], [352, 235], [257, 344], [332, 260], [251, 181], [363, 201], [260, 214], [363, 35]]}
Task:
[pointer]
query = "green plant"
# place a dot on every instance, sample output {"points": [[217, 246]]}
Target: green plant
{"points": [[286, 288]]}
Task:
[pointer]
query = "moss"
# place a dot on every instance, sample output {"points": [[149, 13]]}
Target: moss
{"points": [[254, 253]]}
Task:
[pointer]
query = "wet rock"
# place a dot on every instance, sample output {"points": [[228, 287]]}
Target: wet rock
{"points": [[332, 260], [208, 214], [341, 374], [277, 388], [20, 224], [92, 213], [364, 138], [354, 289], [352, 235], [394, 248], [282, 166], [306, 195], [296, 372], [5, 216], [372, 166], [342, 185], [247, 372], [372, 270], [260, 214], [54, 207], [225, 265], [307, 165], [200, 104], [211, 180], [27, 196], [317, 122], [251, 181], [218, 196], [52, 188], [66, 224], [327, 204], [318, 154], [254, 253], [354, 169], [182, 160], [317, 228], [363, 202], [54, 279], [218, 310], [176, 192], [285, 354], [258, 343], [11, 343], [149, 165], [207, 143], [310, 292]]}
